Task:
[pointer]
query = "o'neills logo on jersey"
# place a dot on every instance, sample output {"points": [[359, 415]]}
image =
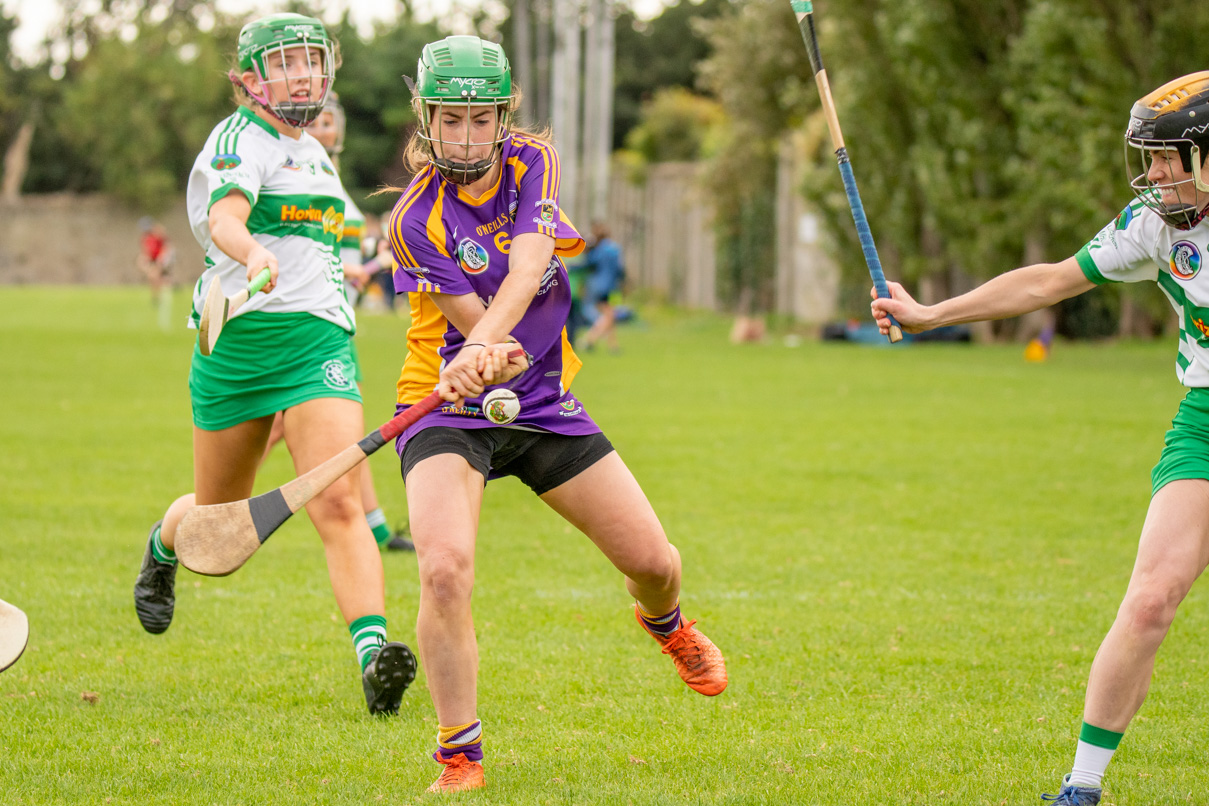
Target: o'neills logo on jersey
{"points": [[332, 221], [1185, 260], [487, 229], [472, 258]]}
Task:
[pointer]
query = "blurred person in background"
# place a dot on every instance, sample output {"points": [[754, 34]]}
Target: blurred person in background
{"points": [[155, 259], [606, 276]]}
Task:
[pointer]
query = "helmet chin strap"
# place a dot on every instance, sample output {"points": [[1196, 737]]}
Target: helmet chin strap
{"points": [[464, 173], [1196, 169], [1190, 214]]}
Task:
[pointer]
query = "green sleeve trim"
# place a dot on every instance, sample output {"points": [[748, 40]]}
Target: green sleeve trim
{"points": [[222, 192], [1100, 737], [1083, 256], [252, 117]]}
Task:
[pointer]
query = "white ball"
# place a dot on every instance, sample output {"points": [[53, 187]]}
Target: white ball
{"points": [[501, 406]]}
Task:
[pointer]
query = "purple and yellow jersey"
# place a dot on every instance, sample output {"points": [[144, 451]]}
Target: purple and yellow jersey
{"points": [[446, 241]]}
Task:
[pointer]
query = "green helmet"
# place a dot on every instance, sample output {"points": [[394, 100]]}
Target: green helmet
{"points": [[274, 34], [462, 71]]}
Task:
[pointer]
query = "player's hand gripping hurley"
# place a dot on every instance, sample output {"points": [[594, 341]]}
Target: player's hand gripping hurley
{"points": [[805, 13], [218, 310], [216, 539]]}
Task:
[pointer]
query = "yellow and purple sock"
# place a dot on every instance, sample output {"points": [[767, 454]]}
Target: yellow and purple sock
{"points": [[663, 625], [369, 633], [466, 739]]}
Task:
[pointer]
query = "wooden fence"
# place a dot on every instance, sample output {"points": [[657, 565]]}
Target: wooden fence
{"points": [[665, 228]]}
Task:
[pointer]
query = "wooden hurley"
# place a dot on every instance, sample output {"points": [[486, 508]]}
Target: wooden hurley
{"points": [[218, 310], [217, 539]]}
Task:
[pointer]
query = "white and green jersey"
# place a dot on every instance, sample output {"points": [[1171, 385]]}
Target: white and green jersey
{"points": [[350, 245], [298, 207], [1138, 245], [354, 231]]}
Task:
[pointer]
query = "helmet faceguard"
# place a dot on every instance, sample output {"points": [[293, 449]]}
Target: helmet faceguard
{"points": [[1175, 117], [469, 74], [275, 34]]}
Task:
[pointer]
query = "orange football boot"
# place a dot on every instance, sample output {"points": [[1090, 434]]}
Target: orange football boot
{"points": [[698, 661], [459, 775]]}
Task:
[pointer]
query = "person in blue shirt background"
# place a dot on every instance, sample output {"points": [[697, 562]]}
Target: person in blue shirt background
{"points": [[607, 274]]}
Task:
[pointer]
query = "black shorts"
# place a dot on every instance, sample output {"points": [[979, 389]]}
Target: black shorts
{"points": [[538, 458]]}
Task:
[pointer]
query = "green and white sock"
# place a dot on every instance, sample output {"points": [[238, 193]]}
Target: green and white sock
{"points": [[159, 551], [369, 633], [377, 525], [1095, 750]]}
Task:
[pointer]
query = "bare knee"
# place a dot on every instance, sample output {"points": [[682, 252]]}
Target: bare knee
{"points": [[336, 508], [447, 581], [1150, 609], [172, 518], [654, 569]]}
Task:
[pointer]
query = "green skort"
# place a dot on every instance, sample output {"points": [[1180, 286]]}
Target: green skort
{"points": [[266, 362], [1186, 446]]}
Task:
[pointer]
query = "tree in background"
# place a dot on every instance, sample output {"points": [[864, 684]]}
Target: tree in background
{"points": [[1085, 63], [984, 133], [25, 93], [139, 86], [140, 110], [759, 73], [378, 103], [659, 53], [675, 125], [14, 153]]}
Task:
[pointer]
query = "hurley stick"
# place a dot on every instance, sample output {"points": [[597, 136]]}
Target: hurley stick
{"points": [[218, 310], [216, 539], [804, 9]]}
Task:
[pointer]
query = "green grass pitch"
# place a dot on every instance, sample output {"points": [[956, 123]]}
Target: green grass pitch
{"points": [[909, 557]]}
